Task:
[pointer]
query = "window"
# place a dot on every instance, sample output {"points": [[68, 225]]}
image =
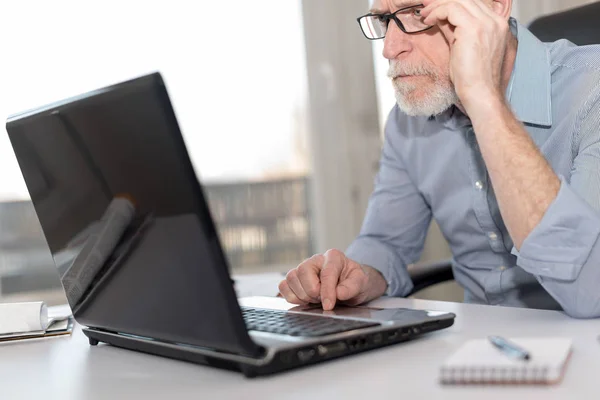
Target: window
{"points": [[237, 80]]}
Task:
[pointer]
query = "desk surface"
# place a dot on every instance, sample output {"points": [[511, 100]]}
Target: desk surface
{"points": [[69, 369]]}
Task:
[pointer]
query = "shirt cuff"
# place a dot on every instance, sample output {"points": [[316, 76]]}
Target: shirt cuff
{"points": [[370, 252], [561, 243]]}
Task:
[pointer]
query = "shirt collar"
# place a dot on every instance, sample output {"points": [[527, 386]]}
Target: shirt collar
{"points": [[452, 118], [529, 88], [528, 91]]}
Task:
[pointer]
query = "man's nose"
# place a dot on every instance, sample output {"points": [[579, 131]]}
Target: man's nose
{"points": [[396, 42]]}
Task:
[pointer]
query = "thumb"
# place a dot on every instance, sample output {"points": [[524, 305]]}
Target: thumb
{"points": [[351, 286]]}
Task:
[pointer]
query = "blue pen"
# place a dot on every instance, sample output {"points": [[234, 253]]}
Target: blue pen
{"points": [[510, 349]]}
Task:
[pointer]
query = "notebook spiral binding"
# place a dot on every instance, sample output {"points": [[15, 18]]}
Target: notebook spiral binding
{"points": [[466, 375]]}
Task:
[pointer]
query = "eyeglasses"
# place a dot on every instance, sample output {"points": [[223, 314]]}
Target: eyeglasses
{"points": [[409, 20]]}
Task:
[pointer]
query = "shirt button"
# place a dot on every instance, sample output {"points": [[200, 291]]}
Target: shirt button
{"points": [[493, 236], [479, 185], [502, 268]]}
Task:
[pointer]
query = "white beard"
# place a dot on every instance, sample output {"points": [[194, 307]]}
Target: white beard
{"points": [[440, 98]]}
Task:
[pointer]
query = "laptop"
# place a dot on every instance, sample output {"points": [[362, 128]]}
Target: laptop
{"points": [[139, 256]]}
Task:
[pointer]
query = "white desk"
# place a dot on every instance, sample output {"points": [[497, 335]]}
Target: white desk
{"points": [[69, 369]]}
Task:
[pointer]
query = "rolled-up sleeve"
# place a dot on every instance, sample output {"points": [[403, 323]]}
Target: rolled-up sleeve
{"points": [[561, 244], [396, 222], [563, 251]]}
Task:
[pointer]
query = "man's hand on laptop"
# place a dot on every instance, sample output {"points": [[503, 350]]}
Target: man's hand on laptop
{"points": [[332, 277]]}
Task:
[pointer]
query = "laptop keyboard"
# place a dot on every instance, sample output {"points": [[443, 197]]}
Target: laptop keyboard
{"points": [[276, 321]]}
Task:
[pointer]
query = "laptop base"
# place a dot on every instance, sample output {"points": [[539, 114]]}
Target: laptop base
{"points": [[270, 363], [163, 349]]}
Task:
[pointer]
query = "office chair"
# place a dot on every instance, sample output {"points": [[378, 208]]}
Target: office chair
{"points": [[579, 25], [582, 27]]}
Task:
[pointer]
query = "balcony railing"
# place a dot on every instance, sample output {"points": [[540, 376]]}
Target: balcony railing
{"points": [[261, 224]]}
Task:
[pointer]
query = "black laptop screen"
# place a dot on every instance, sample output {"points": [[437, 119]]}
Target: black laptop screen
{"points": [[124, 215]]}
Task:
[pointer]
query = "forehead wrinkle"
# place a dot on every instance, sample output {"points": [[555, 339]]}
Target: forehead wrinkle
{"points": [[398, 4]]}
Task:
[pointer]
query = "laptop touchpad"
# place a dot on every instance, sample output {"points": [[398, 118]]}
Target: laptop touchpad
{"points": [[379, 314]]}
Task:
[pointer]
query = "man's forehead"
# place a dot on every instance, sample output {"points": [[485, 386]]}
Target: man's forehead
{"points": [[388, 5]]}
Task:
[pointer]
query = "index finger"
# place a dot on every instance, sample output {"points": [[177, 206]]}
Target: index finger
{"points": [[455, 13], [308, 274], [476, 7], [330, 275]]}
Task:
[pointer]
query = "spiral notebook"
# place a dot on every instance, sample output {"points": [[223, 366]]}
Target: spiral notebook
{"points": [[478, 362]]}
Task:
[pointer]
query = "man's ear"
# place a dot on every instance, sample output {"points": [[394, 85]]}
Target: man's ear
{"points": [[502, 7]]}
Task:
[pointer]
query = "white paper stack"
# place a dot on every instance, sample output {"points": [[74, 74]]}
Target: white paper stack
{"points": [[34, 318]]}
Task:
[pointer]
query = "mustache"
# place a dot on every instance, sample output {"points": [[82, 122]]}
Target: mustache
{"points": [[406, 69]]}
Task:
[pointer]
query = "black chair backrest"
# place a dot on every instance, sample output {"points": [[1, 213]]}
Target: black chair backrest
{"points": [[580, 25]]}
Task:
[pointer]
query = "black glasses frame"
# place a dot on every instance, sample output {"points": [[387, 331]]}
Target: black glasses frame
{"points": [[391, 16]]}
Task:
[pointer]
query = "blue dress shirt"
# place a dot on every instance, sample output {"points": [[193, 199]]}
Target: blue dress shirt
{"points": [[432, 167]]}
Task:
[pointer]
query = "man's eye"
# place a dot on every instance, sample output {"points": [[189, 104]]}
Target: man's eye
{"points": [[383, 20], [417, 12]]}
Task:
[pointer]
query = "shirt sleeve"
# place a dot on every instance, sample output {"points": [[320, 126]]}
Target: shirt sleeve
{"points": [[396, 222], [562, 242], [563, 251]]}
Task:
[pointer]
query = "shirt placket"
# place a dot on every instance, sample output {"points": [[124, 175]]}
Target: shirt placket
{"points": [[481, 190]]}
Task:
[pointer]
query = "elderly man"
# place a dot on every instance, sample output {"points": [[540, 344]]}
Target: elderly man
{"points": [[497, 136]]}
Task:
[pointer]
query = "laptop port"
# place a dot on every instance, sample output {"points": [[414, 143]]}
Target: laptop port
{"points": [[306, 355], [405, 332], [331, 349], [286, 357], [377, 338], [393, 335]]}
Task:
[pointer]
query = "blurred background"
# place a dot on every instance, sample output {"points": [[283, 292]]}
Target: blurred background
{"points": [[282, 105]]}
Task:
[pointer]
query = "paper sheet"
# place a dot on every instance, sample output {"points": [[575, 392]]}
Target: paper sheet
{"points": [[23, 317]]}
